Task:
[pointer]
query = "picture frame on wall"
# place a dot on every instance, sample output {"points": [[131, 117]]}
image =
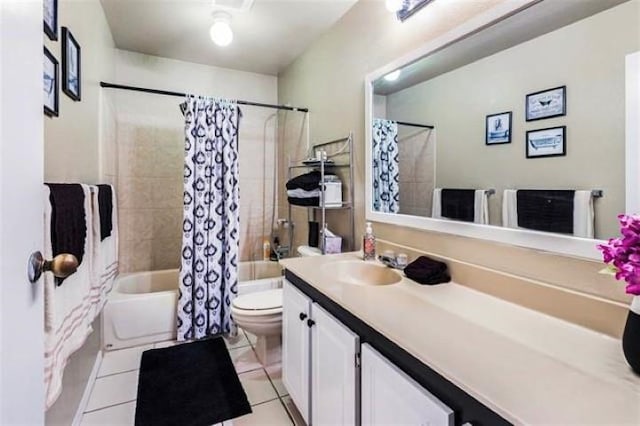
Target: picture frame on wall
{"points": [[498, 128], [71, 65], [550, 142], [50, 83], [546, 104], [50, 19]]}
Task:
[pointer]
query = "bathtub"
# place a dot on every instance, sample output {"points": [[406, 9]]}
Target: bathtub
{"points": [[141, 308]]}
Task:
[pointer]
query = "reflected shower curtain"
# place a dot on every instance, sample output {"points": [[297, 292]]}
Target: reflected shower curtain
{"points": [[386, 172], [210, 239]]}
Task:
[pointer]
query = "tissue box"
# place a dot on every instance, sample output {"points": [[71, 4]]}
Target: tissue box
{"points": [[332, 244]]}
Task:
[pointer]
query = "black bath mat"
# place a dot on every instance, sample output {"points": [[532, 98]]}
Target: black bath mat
{"points": [[194, 384]]}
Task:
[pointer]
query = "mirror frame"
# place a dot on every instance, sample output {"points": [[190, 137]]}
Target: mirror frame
{"points": [[543, 241]]}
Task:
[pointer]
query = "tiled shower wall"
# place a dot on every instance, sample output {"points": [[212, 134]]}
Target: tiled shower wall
{"points": [[150, 162], [416, 153], [150, 187]]}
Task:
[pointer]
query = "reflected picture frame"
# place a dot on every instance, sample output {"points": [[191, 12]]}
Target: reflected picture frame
{"points": [[50, 19], [71, 66], [50, 84], [498, 128], [549, 142], [546, 103]]}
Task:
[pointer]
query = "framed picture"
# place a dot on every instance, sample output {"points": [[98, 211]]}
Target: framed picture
{"points": [[50, 84], [546, 104], [71, 77], [498, 128], [549, 142], [50, 18]]}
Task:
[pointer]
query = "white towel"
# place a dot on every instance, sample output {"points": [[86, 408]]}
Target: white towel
{"points": [[583, 212], [105, 255], [67, 323], [301, 193], [480, 206]]}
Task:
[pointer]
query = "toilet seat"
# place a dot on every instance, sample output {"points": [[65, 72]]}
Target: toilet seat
{"points": [[262, 303]]}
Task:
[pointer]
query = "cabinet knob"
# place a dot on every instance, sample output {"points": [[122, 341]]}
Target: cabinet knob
{"points": [[310, 322], [303, 316]]}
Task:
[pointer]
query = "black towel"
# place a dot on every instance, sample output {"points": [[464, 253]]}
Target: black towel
{"points": [[458, 204], [68, 221], [308, 181], [307, 202], [105, 204], [546, 210], [427, 271]]}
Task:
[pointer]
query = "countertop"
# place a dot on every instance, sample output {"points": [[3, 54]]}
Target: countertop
{"points": [[528, 367]]}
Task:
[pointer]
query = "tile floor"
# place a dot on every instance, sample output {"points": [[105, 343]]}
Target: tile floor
{"points": [[113, 397]]}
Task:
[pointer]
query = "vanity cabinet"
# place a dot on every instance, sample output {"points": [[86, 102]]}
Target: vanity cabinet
{"points": [[319, 362], [296, 350], [389, 396]]}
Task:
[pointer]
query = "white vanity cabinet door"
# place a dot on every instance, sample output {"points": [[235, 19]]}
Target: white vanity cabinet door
{"points": [[390, 397], [334, 374], [296, 310]]}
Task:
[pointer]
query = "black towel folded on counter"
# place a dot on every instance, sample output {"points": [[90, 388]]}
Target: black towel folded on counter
{"points": [[425, 270], [68, 220], [546, 210], [105, 204], [458, 204]]}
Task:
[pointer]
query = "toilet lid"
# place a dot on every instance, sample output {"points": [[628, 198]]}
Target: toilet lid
{"points": [[305, 251], [258, 301]]}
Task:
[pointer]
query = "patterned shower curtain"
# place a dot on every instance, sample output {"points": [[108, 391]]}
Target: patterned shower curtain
{"points": [[386, 188], [210, 239]]}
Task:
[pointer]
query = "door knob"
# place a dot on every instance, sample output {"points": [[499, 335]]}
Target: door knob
{"points": [[61, 266]]}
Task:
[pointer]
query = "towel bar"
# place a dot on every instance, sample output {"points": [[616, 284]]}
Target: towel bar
{"points": [[490, 191], [597, 193]]}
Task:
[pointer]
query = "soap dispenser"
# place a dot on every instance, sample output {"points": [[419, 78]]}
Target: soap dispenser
{"points": [[369, 243]]}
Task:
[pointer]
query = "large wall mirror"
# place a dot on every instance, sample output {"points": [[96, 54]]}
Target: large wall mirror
{"points": [[517, 127]]}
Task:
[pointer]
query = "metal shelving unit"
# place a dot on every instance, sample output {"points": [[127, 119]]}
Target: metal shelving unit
{"points": [[323, 166]]}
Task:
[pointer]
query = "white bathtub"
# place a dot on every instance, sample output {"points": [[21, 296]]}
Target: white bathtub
{"points": [[141, 308]]}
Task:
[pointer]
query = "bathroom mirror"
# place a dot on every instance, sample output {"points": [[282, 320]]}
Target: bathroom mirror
{"points": [[509, 129]]}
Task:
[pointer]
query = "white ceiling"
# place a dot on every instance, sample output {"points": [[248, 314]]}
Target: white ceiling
{"points": [[267, 38], [539, 19]]}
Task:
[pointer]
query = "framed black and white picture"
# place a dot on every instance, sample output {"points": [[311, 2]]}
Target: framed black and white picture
{"points": [[71, 63], [50, 18], [549, 142], [50, 84], [498, 128], [546, 104]]}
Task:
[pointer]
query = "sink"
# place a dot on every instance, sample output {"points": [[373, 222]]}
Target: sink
{"points": [[362, 273]]}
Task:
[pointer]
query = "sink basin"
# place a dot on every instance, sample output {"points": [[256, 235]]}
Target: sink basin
{"points": [[362, 273]]}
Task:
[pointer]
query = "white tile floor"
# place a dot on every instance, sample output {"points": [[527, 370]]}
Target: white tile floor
{"points": [[113, 397]]}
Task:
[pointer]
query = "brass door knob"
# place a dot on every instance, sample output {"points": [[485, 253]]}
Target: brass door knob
{"points": [[61, 266]]}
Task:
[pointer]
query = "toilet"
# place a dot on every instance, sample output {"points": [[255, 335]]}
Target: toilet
{"points": [[260, 313]]}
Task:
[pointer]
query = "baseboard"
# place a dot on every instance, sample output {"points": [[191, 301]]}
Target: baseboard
{"points": [[77, 419]]}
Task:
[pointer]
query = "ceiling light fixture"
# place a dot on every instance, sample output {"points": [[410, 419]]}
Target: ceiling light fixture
{"points": [[220, 32], [393, 76], [394, 5]]}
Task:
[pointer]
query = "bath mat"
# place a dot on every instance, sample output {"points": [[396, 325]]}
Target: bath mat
{"points": [[194, 384]]}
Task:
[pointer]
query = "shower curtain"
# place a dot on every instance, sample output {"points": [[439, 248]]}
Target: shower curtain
{"points": [[210, 239], [386, 189]]}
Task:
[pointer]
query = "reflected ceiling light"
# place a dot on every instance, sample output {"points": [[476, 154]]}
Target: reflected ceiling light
{"points": [[393, 76], [394, 5], [220, 32]]}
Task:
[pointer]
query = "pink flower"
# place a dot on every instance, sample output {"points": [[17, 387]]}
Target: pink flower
{"points": [[624, 253]]}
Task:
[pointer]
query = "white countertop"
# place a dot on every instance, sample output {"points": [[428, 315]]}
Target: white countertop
{"points": [[526, 366]]}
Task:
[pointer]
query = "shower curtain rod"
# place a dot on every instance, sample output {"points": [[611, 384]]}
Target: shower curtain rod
{"points": [[182, 95], [424, 126]]}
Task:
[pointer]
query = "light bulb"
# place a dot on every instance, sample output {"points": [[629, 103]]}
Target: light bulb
{"points": [[220, 32], [394, 5], [393, 76]]}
